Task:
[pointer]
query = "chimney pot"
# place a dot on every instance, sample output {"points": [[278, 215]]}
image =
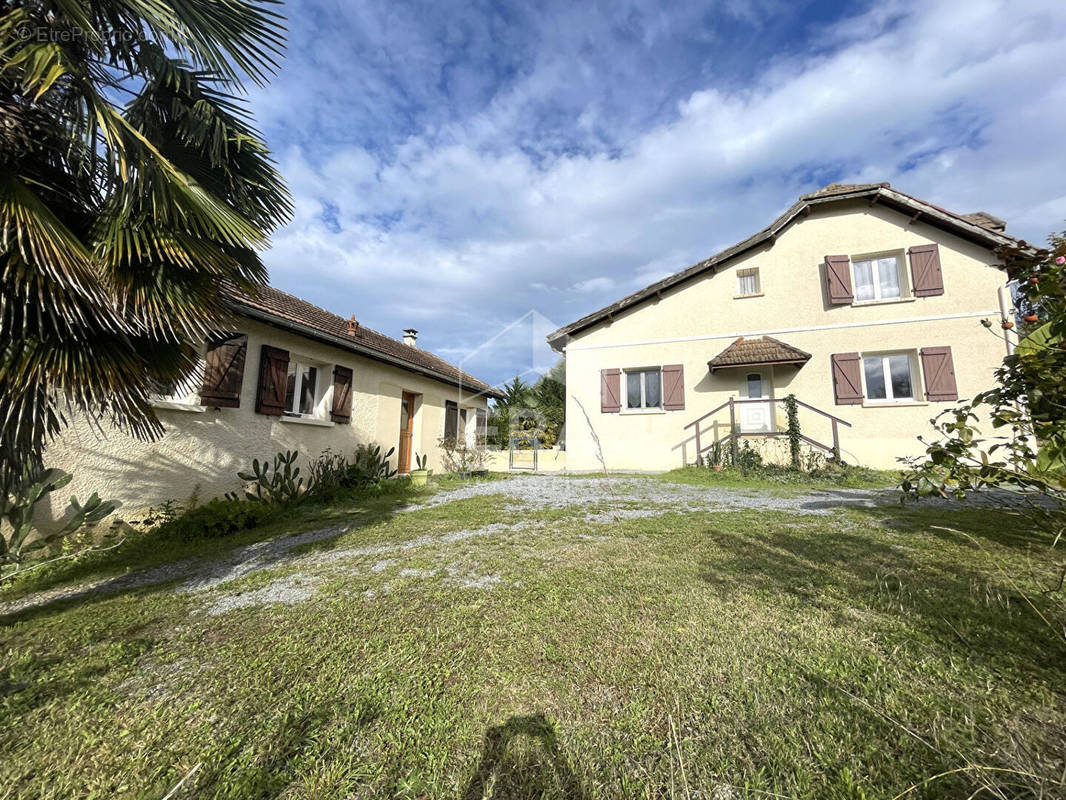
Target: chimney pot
{"points": [[353, 326], [410, 337]]}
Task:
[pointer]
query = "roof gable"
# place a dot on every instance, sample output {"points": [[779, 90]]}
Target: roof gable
{"points": [[979, 227]]}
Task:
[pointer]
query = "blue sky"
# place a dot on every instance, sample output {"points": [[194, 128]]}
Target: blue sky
{"points": [[457, 165]]}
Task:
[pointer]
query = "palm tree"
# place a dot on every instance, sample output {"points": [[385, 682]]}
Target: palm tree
{"points": [[133, 190]]}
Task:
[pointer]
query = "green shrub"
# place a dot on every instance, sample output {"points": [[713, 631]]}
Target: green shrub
{"points": [[748, 460], [327, 476], [219, 517]]}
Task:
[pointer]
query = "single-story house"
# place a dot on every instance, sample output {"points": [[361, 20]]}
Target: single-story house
{"points": [[862, 301], [287, 375]]}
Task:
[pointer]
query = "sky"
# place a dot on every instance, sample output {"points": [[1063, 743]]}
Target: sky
{"points": [[488, 171]]}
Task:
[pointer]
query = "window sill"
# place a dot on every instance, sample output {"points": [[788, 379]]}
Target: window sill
{"points": [[891, 302], [746, 296], [319, 423], [177, 405], [895, 404], [640, 412]]}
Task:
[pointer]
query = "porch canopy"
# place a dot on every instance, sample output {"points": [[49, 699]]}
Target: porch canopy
{"points": [[760, 351]]}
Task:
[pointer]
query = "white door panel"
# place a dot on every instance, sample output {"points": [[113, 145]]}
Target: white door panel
{"points": [[756, 417]]}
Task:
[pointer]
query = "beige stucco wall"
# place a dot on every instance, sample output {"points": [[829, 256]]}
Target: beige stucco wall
{"points": [[203, 449], [548, 460], [692, 323]]}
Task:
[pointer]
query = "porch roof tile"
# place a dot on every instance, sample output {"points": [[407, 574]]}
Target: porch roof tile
{"points": [[762, 350]]}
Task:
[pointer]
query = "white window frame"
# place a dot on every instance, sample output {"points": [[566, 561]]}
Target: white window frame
{"points": [[185, 397], [875, 271], [643, 390], [886, 374], [321, 388], [749, 272]]}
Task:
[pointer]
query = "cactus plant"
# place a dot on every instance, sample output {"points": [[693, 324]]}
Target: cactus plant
{"points": [[18, 509], [278, 483], [370, 467]]}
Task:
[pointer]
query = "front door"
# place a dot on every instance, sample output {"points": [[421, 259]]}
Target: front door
{"points": [[756, 417], [407, 427]]}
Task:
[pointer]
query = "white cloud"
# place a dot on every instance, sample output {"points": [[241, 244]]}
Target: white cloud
{"points": [[465, 224], [600, 284]]}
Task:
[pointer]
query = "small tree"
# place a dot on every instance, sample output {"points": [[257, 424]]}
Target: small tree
{"points": [[549, 398]]}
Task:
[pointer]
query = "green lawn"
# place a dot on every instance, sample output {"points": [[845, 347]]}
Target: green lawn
{"points": [[711, 655], [770, 477]]}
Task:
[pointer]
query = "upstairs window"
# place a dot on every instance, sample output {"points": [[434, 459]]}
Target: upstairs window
{"points": [[302, 389], [877, 278], [889, 377], [644, 388], [748, 282]]}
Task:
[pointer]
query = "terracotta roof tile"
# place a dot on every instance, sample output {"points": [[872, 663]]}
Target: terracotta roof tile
{"points": [[285, 307], [762, 350]]}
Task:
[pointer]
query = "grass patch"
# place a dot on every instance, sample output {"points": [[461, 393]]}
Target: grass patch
{"points": [[684, 655], [769, 476]]}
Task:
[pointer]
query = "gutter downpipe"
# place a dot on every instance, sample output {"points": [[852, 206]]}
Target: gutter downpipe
{"points": [[1007, 312]]}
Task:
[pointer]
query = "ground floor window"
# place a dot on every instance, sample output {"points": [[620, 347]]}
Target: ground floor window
{"points": [[644, 388], [185, 392], [889, 377], [302, 391]]}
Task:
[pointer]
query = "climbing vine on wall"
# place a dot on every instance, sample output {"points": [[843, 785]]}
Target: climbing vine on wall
{"points": [[792, 413]]}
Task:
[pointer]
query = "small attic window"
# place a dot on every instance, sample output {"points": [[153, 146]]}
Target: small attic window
{"points": [[748, 282]]}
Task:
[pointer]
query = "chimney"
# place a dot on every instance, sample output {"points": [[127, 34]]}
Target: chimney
{"points": [[410, 337], [353, 326]]}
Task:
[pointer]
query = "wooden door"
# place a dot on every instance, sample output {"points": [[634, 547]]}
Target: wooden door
{"points": [[407, 427]]}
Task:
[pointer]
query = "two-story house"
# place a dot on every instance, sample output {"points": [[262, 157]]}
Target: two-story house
{"points": [[861, 301]]}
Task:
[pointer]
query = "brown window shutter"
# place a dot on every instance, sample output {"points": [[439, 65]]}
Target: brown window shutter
{"points": [[674, 387], [847, 380], [273, 376], [610, 391], [482, 420], [939, 371], [451, 419], [342, 395], [838, 280], [224, 370], [926, 277]]}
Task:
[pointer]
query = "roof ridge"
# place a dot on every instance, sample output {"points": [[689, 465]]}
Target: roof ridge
{"points": [[299, 299]]}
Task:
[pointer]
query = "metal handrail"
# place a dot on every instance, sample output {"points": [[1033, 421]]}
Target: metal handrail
{"points": [[734, 434], [737, 401]]}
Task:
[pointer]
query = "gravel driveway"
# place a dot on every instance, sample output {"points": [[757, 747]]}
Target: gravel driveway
{"points": [[598, 499]]}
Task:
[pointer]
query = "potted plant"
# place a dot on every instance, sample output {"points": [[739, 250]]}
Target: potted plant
{"points": [[420, 476], [714, 459]]}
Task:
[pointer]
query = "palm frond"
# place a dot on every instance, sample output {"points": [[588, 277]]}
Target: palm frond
{"points": [[133, 188]]}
